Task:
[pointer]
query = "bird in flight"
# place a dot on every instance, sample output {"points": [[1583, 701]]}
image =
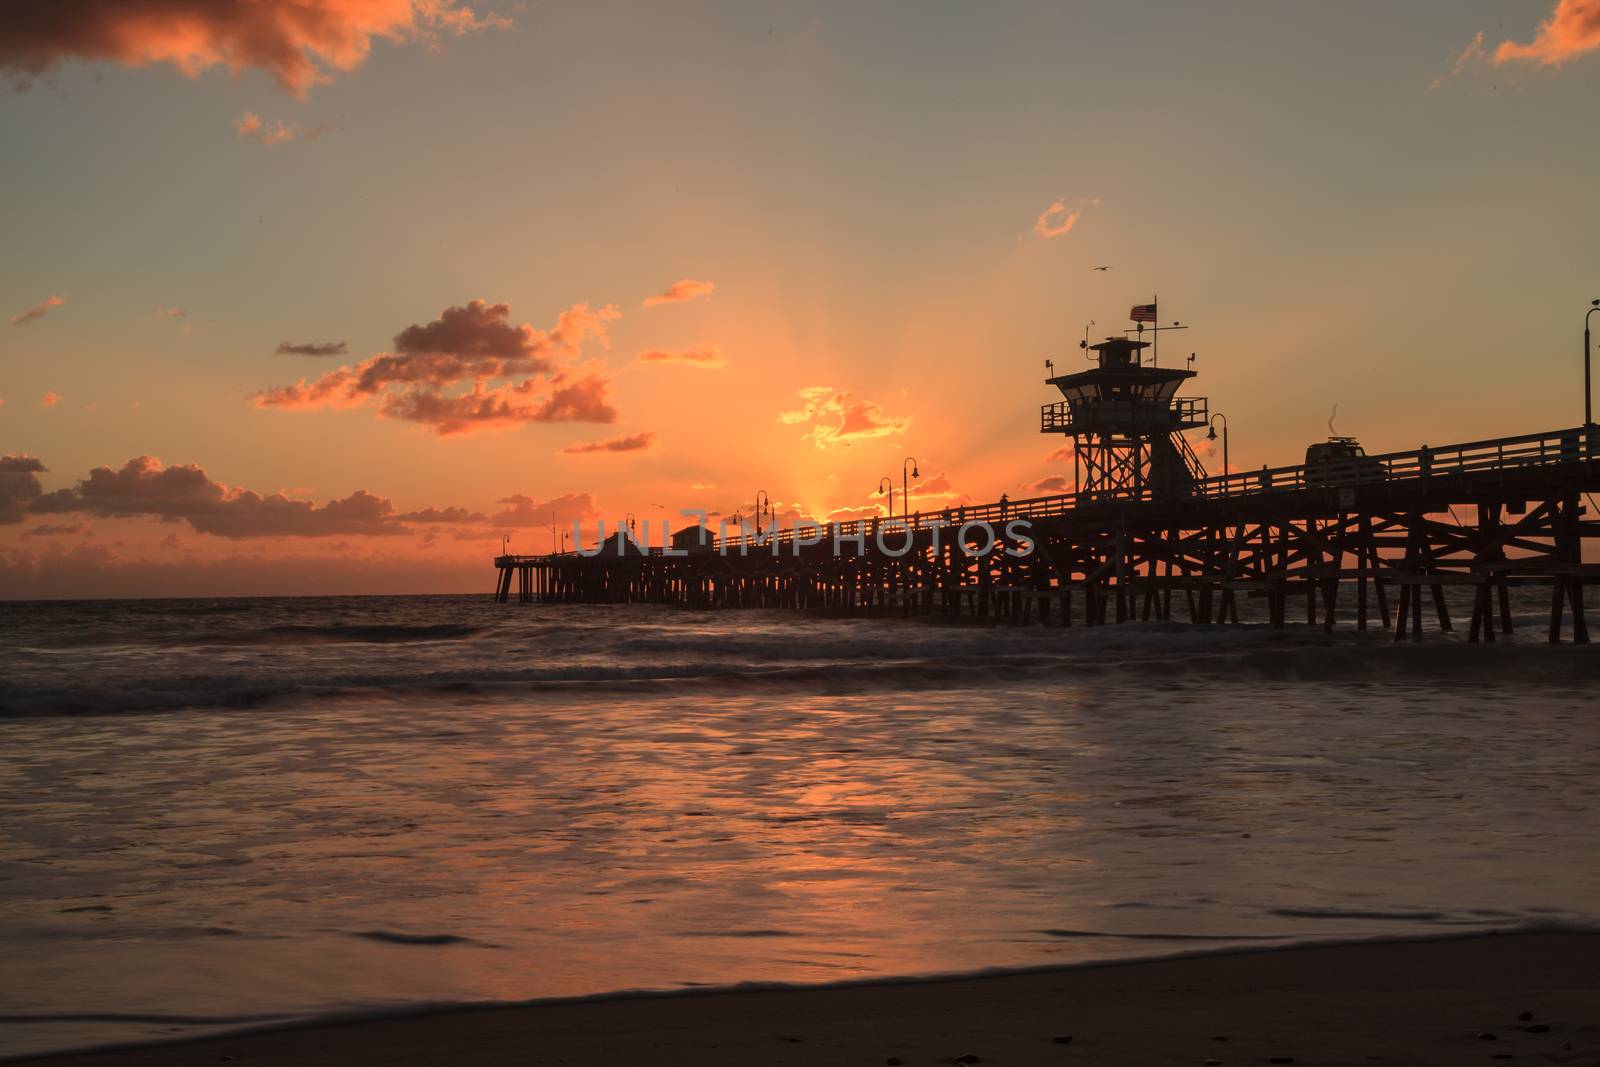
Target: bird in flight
{"points": [[1099, 268]]}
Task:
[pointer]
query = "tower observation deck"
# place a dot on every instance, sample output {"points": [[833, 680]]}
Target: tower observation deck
{"points": [[1126, 423]]}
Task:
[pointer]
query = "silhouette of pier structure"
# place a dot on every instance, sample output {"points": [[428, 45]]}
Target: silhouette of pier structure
{"points": [[1368, 541]]}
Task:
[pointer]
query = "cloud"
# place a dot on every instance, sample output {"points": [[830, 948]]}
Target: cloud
{"points": [[50, 399], [38, 311], [19, 487], [1059, 455], [312, 348], [680, 291], [250, 125], [300, 43], [1055, 221], [170, 313], [936, 492], [1061, 216], [475, 343], [502, 408], [639, 442], [1472, 53], [838, 420], [1054, 483], [562, 510], [143, 486], [442, 515], [852, 514], [56, 529], [1571, 29], [708, 358]]}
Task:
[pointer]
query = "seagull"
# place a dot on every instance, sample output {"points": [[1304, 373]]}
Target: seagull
{"points": [[1099, 268]]}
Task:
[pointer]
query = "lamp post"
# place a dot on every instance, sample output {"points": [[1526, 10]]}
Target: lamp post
{"points": [[905, 486], [1211, 435], [763, 504], [886, 485], [1588, 391]]}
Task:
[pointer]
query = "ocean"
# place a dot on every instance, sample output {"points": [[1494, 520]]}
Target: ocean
{"points": [[223, 813]]}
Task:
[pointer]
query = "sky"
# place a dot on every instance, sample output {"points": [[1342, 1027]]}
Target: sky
{"points": [[331, 296]]}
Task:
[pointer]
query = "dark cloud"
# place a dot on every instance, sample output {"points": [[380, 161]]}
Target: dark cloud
{"points": [[300, 43], [474, 343], [312, 348], [19, 487], [638, 442], [144, 487], [442, 515]]}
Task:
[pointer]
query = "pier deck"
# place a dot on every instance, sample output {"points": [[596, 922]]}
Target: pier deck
{"points": [[1374, 541]]}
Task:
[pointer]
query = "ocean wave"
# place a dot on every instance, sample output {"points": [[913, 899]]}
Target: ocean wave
{"points": [[1130, 655], [286, 634]]}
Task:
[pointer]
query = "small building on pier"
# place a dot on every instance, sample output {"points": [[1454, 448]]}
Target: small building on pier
{"points": [[1127, 422]]}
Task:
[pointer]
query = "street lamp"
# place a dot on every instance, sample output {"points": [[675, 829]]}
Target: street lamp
{"points": [[1211, 435], [1588, 391], [905, 486], [763, 503], [886, 485]]}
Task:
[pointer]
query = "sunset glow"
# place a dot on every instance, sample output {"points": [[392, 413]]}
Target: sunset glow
{"points": [[334, 296]]}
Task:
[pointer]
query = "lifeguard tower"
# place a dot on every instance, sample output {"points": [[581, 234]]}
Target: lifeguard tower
{"points": [[1126, 422]]}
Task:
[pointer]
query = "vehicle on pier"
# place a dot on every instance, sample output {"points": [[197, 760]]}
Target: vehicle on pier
{"points": [[1341, 460]]}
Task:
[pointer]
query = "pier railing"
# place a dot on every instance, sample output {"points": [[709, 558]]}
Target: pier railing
{"points": [[1502, 454]]}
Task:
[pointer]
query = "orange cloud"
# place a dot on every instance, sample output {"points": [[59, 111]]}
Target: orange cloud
{"points": [[837, 420], [1054, 483], [1570, 30], [38, 311], [638, 442], [936, 492], [562, 510], [474, 343], [1055, 221], [708, 358], [144, 487], [1060, 455], [50, 400], [681, 290], [1464, 58], [300, 43], [250, 125]]}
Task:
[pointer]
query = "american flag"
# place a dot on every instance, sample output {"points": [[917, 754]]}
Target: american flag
{"points": [[1143, 313]]}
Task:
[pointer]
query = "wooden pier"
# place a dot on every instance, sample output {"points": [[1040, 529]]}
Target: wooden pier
{"points": [[1372, 543]]}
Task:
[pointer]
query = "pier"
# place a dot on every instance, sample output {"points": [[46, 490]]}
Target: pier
{"points": [[1344, 539]]}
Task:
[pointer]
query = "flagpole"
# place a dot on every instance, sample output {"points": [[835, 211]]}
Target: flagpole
{"points": [[1155, 346]]}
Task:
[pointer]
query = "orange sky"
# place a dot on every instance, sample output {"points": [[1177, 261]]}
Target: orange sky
{"points": [[335, 295]]}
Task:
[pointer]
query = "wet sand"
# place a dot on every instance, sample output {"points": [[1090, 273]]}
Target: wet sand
{"points": [[1451, 1001]]}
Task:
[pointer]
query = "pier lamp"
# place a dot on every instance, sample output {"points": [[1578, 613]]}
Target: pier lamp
{"points": [[905, 486], [1588, 390], [1211, 435], [886, 485], [763, 505]]}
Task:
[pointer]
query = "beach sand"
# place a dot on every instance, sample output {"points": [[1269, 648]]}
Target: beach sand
{"points": [[1426, 1002]]}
